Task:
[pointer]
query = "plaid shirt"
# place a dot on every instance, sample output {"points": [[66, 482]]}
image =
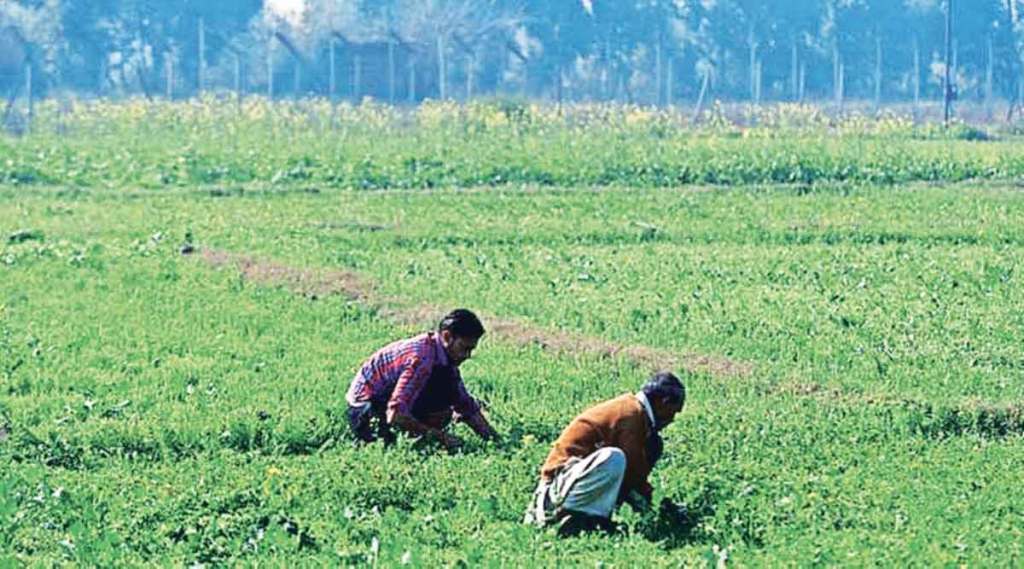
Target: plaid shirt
{"points": [[395, 376]]}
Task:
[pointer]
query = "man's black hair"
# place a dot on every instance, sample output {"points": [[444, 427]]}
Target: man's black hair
{"points": [[665, 385], [462, 323]]}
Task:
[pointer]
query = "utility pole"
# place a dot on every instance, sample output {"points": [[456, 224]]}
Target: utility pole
{"points": [[947, 79]]}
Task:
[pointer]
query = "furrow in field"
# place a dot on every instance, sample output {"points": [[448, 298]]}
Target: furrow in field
{"points": [[315, 283]]}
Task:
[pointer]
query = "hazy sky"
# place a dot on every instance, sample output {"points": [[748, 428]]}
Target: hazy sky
{"points": [[287, 9]]}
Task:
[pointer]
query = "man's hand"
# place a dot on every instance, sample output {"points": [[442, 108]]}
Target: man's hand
{"points": [[450, 442], [638, 501], [481, 427], [677, 514]]}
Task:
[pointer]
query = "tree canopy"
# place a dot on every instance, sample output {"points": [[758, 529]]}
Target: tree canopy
{"points": [[646, 51]]}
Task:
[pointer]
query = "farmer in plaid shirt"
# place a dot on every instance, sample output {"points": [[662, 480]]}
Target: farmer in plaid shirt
{"points": [[415, 385]]}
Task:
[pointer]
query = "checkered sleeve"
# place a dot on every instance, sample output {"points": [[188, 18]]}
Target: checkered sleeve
{"points": [[415, 373]]}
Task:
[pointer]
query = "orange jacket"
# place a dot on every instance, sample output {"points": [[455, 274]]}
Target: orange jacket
{"points": [[620, 422]]}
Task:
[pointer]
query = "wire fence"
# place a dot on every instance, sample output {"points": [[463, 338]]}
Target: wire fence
{"points": [[388, 72]]}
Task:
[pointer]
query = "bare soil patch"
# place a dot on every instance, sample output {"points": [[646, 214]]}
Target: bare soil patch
{"points": [[317, 283], [308, 282]]}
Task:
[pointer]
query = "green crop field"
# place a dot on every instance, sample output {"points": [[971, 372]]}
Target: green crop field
{"points": [[843, 300]]}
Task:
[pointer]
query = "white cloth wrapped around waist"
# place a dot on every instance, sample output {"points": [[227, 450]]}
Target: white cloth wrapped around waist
{"points": [[588, 485]]}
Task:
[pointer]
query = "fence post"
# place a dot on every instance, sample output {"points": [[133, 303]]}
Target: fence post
{"points": [[238, 80], [757, 81], [801, 89], [270, 67], [469, 78], [700, 98], [841, 92], [28, 96], [989, 71], [412, 80], [659, 88], [947, 83], [441, 71], [794, 77], [202, 57], [669, 81], [357, 79], [878, 73], [332, 83], [391, 70], [169, 68], [917, 76]]}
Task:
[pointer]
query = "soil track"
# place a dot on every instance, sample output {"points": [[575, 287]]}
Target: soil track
{"points": [[317, 283]]}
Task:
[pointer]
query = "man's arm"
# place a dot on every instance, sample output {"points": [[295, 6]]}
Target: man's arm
{"points": [[630, 436], [471, 412], [481, 426], [407, 389]]}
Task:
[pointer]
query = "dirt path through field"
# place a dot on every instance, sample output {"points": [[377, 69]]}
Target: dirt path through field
{"points": [[316, 283]]}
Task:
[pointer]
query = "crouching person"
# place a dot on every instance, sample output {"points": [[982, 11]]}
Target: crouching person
{"points": [[414, 385], [603, 459]]}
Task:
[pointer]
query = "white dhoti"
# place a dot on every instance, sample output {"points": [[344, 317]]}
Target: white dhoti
{"points": [[589, 485]]}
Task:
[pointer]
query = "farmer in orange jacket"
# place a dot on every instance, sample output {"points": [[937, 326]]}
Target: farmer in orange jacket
{"points": [[603, 458]]}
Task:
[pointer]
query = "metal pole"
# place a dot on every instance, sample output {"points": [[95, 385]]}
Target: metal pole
{"points": [[238, 79], [760, 82], [803, 82], [947, 80], [794, 77], [752, 66], [357, 81], [412, 81], [878, 72], [202, 57], [669, 81], [391, 71], [842, 85], [169, 64], [28, 96], [917, 75], [270, 67], [470, 64], [441, 71], [332, 85], [658, 100], [989, 71]]}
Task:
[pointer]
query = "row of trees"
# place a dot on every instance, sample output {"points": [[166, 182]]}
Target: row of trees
{"points": [[647, 51]]}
